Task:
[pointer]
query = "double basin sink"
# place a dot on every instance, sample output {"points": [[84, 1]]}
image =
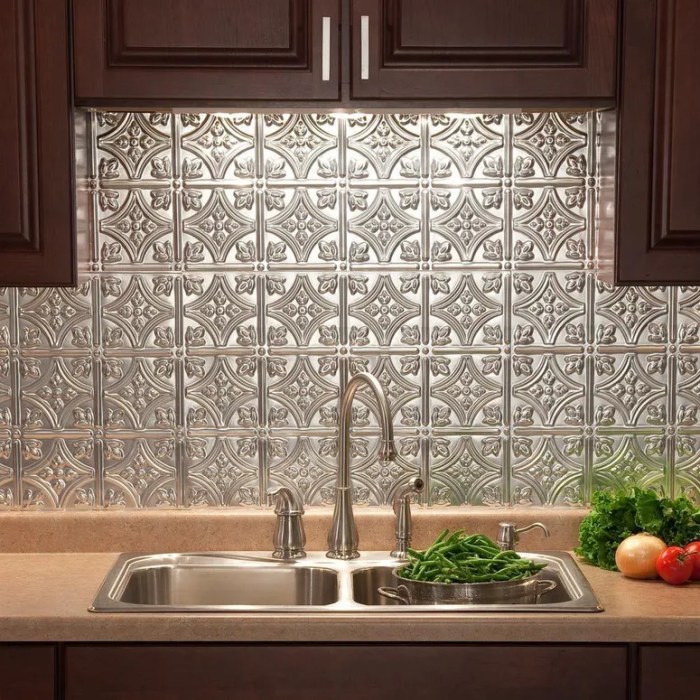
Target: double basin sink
{"points": [[212, 582]]}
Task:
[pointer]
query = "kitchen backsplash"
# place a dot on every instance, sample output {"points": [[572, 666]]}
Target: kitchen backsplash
{"points": [[238, 268]]}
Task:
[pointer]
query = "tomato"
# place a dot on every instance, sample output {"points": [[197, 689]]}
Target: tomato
{"points": [[675, 565], [693, 549]]}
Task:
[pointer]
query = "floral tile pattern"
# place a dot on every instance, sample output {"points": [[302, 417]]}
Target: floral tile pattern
{"points": [[242, 267]]}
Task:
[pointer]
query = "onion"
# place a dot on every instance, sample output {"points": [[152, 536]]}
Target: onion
{"points": [[636, 556]]}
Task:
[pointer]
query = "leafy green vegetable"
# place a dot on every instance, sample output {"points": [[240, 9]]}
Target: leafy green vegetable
{"points": [[462, 558], [617, 515]]}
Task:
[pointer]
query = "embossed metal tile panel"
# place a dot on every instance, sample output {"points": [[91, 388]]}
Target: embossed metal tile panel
{"points": [[239, 268]]}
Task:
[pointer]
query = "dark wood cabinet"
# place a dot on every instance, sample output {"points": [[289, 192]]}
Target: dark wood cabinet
{"points": [[539, 52], [36, 145], [485, 50], [345, 672], [658, 149], [668, 671], [27, 672], [171, 51]]}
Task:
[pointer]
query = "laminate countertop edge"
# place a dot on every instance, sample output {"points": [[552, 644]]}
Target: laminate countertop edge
{"points": [[45, 598]]}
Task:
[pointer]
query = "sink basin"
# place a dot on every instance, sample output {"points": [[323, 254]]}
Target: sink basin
{"points": [[197, 582], [365, 583], [249, 581], [183, 586]]}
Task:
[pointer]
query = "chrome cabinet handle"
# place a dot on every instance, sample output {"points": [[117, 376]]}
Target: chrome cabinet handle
{"points": [[326, 49], [364, 47]]}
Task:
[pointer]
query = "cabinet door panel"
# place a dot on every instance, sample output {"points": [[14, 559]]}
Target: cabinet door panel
{"points": [[658, 154], [668, 671], [205, 50], [485, 49], [345, 672], [36, 189], [27, 672]]}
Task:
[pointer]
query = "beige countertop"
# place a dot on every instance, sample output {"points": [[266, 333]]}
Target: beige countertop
{"points": [[44, 597], [187, 530]]}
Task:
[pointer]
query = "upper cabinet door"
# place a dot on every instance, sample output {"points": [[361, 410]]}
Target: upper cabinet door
{"points": [[170, 51], [36, 145], [658, 152], [520, 51]]}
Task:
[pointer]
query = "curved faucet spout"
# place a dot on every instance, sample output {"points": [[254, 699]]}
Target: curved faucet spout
{"points": [[342, 538]]}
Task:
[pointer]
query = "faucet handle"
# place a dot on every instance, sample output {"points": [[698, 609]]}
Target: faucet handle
{"points": [[509, 533], [404, 521], [286, 503], [289, 538]]}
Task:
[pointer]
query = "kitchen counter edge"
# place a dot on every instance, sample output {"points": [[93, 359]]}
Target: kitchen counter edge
{"points": [[45, 598]]}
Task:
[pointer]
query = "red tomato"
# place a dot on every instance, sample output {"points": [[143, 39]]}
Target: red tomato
{"points": [[693, 549], [675, 566]]}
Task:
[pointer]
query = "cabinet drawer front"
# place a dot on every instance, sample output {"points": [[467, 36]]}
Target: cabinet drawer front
{"points": [[27, 672], [668, 671], [172, 50], [345, 672], [486, 49]]}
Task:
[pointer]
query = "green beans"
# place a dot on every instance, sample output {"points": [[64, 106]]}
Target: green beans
{"points": [[463, 558]]}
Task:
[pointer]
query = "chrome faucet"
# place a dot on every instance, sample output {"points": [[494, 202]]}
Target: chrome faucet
{"points": [[342, 538]]}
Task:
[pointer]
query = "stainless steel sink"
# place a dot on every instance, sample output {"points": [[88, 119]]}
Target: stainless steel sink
{"points": [[196, 581], [567, 592], [213, 581], [254, 582]]}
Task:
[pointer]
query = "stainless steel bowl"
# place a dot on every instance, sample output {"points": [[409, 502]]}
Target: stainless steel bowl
{"points": [[524, 591]]}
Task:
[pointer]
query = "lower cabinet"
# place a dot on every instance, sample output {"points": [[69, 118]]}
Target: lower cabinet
{"points": [[344, 672], [27, 672], [347, 671], [669, 671]]}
